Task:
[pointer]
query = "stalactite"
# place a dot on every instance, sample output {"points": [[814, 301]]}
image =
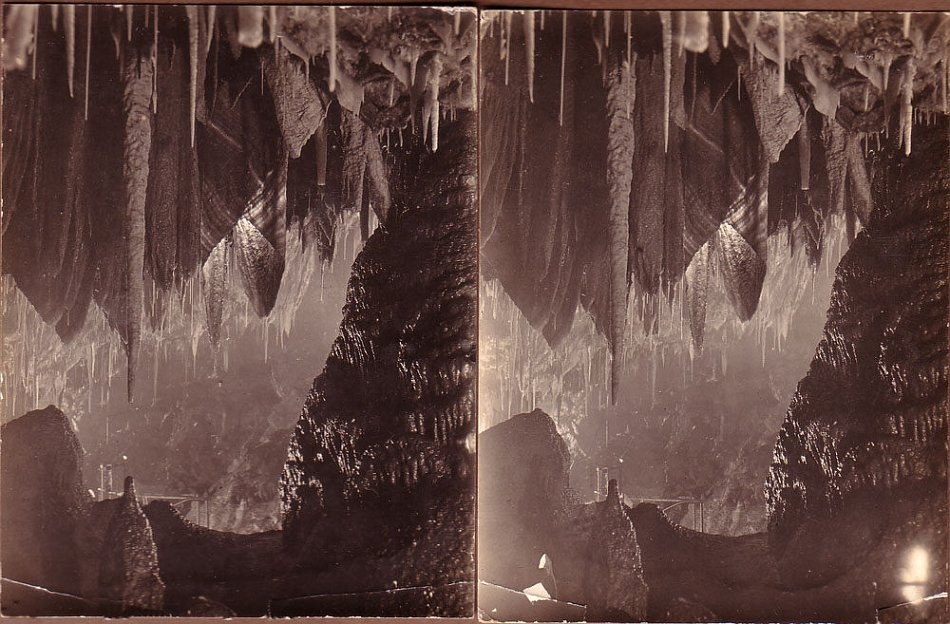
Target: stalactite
{"points": [[331, 58], [804, 155], [680, 32], [945, 77], [752, 36], [69, 28], [272, 22], [696, 35], [19, 35], [192, 12], [211, 19], [906, 105], [529, 50], [250, 26], [907, 25], [887, 58], [88, 58], [321, 145], [560, 116], [726, 23], [36, 42], [621, 93], [781, 52], [606, 28], [457, 22], [507, 37], [697, 284], [628, 35], [430, 115], [155, 62], [138, 137], [666, 21], [129, 17]]}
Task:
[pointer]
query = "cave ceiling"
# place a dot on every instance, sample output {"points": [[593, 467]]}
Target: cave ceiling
{"points": [[677, 143], [162, 120]]}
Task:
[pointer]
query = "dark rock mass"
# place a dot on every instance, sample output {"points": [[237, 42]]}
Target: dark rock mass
{"points": [[384, 442], [42, 500], [871, 414]]}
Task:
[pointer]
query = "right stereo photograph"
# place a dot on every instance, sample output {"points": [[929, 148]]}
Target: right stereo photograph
{"points": [[713, 316]]}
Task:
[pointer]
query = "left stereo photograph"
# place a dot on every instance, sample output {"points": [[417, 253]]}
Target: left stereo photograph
{"points": [[239, 302]]}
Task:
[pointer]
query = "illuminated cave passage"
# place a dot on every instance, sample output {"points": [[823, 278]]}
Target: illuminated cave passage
{"points": [[239, 266], [713, 335]]}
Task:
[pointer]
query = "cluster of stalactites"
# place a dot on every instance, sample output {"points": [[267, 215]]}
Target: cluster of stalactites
{"points": [[302, 39], [789, 73]]}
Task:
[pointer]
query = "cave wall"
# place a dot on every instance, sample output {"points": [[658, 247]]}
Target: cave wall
{"points": [[871, 414]]}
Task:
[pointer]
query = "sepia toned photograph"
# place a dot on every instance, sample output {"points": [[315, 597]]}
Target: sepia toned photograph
{"points": [[239, 310], [713, 316]]}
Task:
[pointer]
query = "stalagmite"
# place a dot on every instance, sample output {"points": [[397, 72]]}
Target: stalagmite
{"points": [[331, 25], [560, 117], [804, 155], [192, 12], [781, 52], [529, 50], [69, 27], [665, 20], [138, 138], [88, 58], [726, 23]]}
